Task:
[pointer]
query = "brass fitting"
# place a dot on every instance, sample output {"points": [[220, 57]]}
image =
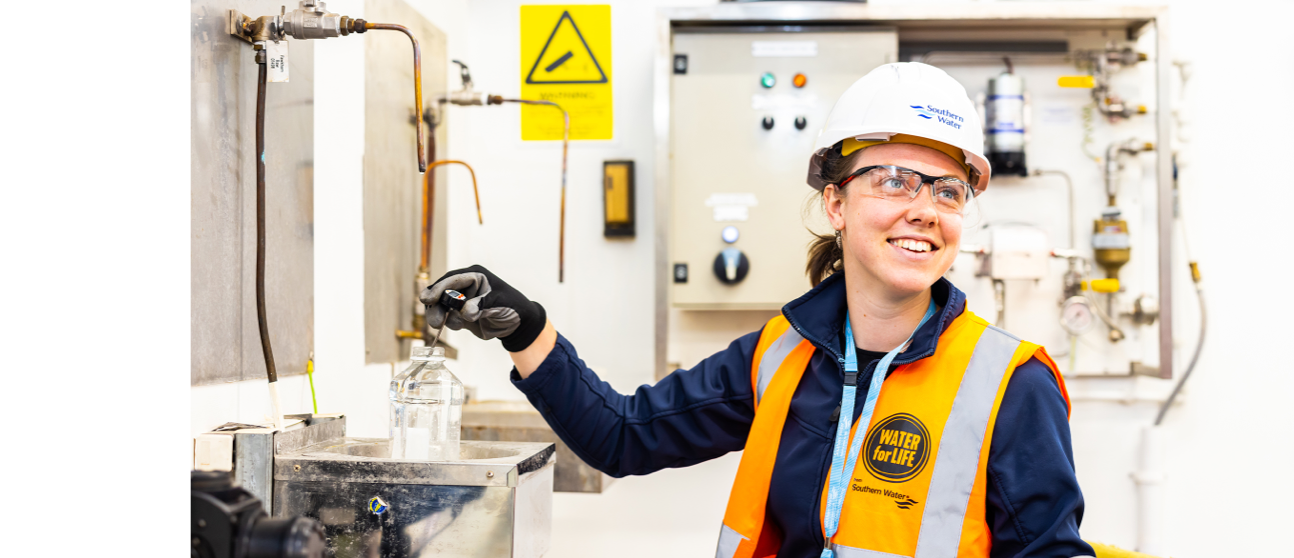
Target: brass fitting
{"points": [[254, 30], [349, 25]]}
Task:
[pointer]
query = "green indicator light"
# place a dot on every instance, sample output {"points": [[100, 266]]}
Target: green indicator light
{"points": [[767, 80]]}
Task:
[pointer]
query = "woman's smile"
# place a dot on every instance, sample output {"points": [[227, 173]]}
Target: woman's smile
{"points": [[915, 244]]}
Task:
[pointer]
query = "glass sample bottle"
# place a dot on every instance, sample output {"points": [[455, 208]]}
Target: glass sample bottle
{"points": [[426, 409]]}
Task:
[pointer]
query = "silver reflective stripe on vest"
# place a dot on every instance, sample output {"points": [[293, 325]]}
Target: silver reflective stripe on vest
{"points": [[850, 552], [728, 541], [773, 358], [957, 460]]}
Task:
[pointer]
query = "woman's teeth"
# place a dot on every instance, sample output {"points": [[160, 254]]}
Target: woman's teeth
{"points": [[913, 245]]}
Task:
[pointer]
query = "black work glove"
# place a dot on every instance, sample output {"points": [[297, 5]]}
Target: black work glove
{"points": [[493, 308]]}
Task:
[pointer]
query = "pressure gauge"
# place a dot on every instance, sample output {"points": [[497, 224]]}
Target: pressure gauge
{"points": [[1076, 315]]}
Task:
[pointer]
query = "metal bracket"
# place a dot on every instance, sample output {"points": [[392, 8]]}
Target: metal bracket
{"points": [[240, 25], [1139, 369]]}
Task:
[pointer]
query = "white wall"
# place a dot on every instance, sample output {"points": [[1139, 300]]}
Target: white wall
{"points": [[606, 302], [1230, 449], [1229, 443]]}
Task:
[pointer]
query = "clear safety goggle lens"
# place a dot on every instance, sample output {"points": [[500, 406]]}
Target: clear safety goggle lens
{"points": [[950, 194]]}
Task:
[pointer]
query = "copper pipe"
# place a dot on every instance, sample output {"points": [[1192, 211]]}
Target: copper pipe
{"points": [[417, 82], [429, 197], [475, 191], [261, 322], [428, 202], [561, 249], [566, 140], [561, 241]]}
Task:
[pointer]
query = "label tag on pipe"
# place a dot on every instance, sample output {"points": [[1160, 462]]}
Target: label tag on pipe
{"points": [[276, 61]]}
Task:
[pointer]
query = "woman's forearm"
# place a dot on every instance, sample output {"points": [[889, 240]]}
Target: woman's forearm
{"points": [[528, 360], [688, 417]]}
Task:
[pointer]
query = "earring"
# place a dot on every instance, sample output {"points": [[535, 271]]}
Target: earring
{"points": [[840, 247]]}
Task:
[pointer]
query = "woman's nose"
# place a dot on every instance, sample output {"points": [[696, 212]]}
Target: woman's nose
{"points": [[922, 208]]}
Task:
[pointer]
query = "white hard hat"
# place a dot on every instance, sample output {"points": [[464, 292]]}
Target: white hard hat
{"points": [[907, 98]]}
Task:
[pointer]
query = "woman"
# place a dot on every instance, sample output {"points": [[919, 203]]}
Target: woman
{"points": [[965, 448]]}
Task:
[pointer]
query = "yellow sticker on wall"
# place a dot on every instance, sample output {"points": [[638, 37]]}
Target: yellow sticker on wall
{"points": [[566, 59]]}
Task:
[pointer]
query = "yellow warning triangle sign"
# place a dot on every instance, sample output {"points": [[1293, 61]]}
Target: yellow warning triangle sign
{"points": [[566, 57]]}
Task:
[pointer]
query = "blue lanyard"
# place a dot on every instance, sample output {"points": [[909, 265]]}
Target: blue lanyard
{"points": [[840, 463]]}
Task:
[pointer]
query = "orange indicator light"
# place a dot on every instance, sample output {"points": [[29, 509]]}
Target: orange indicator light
{"points": [[799, 80]]}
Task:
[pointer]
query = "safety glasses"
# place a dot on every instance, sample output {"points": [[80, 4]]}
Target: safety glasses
{"points": [[951, 194]]}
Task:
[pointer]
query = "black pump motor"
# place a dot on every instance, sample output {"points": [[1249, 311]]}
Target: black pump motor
{"points": [[229, 522]]}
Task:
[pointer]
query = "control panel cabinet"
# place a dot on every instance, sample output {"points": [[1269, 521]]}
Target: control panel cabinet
{"points": [[746, 105]]}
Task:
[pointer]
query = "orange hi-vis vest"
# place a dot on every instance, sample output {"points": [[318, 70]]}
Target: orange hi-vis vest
{"points": [[918, 490]]}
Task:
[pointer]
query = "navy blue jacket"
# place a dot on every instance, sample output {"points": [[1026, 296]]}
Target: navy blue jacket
{"points": [[1034, 505]]}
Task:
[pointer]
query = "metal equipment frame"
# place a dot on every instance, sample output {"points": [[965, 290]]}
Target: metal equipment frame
{"points": [[1014, 15]]}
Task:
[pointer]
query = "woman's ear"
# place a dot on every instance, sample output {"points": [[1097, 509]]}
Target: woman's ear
{"points": [[833, 203]]}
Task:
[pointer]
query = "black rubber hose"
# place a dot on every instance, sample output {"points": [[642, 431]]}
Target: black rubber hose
{"points": [[260, 225], [1195, 359]]}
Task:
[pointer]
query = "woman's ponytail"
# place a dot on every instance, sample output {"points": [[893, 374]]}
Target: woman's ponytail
{"points": [[826, 255]]}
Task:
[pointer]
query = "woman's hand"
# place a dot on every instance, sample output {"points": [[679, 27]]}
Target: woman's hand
{"points": [[493, 309]]}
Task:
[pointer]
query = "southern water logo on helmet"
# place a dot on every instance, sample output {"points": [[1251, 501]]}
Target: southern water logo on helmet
{"points": [[945, 116], [882, 106]]}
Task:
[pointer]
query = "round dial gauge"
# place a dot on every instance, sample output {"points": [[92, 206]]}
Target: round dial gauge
{"points": [[1076, 315]]}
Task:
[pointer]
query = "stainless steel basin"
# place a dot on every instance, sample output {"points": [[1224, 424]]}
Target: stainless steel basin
{"points": [[380, 448], [494, 501]]}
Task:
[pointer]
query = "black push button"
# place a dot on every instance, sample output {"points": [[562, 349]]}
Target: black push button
{"points": [[680, 273]]}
